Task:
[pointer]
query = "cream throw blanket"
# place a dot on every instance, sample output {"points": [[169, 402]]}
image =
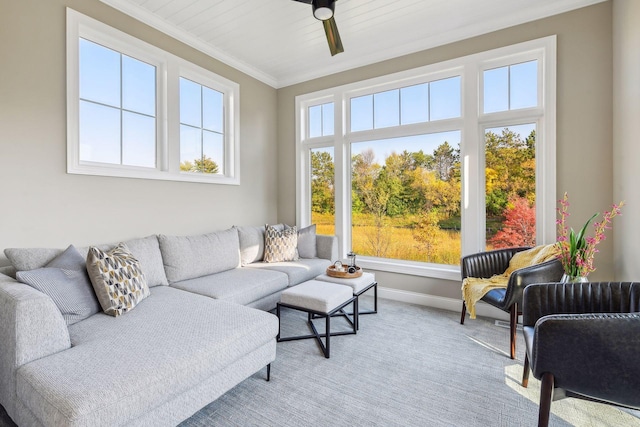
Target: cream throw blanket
{"points": [[473, 289]]}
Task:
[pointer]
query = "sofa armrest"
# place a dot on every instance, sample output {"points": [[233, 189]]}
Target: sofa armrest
{"points": [[590, 354], [543, 299], [31, 327], [327, 247]]}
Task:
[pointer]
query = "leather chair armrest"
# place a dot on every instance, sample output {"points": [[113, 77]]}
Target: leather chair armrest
{"points": [[487, 264], [591, 354], [542, 299], [550, 271]]}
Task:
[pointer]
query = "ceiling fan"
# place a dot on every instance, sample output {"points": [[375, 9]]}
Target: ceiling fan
{"points": [[323, 11]]}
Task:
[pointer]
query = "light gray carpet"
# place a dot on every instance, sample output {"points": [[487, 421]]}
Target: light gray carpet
{"points": [[407, 366]]}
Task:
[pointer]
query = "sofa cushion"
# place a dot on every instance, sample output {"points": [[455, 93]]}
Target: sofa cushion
{"points": [[64, 279], [307, 247], [280, 245], [188, 257], [240, 285], [120, 368], [31, 258], [145, 249], [298, 271], [252, 243], [117, 278]]}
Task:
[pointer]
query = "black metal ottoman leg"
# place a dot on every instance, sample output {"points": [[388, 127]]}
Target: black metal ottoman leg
{"points": [[327, 333]]}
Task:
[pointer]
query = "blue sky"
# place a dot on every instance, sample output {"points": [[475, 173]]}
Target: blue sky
{"points": [[510, 87], [118, 101], [118, 110]]}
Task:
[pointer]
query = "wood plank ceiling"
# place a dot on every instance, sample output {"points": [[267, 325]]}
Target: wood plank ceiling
{"points": [[280, 42]]}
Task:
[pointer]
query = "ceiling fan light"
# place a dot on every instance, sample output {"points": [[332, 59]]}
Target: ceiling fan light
{"points": [[323, 9]]}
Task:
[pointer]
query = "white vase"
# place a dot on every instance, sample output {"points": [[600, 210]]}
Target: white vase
{"points": [[573, 279]]}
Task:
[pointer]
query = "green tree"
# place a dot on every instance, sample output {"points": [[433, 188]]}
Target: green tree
{"points": [[322, 182], [204, 165], [445, 158]]}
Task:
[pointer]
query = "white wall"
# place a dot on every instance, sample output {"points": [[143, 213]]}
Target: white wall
{"points": [[626, 136], [44, 206]]}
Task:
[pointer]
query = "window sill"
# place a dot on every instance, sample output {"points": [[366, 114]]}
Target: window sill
{"points": [[154, 174], [412, 268]]}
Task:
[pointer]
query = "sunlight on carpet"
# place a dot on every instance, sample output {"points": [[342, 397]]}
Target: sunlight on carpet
{"points": [[575, 411]]}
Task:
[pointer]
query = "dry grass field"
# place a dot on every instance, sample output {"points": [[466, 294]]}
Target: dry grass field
{"points": [[393, 240]]}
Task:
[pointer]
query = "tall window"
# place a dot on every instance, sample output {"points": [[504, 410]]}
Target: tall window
{"points": [[201, 128], [427, 165], [137, 111], [117, 107]]}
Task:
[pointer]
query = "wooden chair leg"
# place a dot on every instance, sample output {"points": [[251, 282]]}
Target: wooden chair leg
{"points": [[464, 312], [513, 325], [525, 372], [546, 396]]}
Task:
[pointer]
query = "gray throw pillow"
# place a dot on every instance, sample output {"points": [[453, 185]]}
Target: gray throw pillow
{"points": [[307, 242], [65, 280]]}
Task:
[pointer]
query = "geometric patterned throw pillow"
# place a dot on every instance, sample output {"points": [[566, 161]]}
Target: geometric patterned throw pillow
{"points": [[280, 245], [117, 278]]}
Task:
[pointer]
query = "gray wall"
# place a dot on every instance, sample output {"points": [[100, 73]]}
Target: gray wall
{"points": [[626, 131], [44, 206], [584, 119]]}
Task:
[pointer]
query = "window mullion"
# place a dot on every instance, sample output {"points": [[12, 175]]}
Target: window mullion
{"points": [[121, 114]]}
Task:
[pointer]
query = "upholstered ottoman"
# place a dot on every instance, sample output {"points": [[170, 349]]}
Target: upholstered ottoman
{"points": [[318, 299], [359, 285]]}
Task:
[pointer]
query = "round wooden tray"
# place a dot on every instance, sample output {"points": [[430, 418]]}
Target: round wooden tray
{"points": [[331, 271]]}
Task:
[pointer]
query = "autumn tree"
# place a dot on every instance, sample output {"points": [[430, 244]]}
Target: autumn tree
{"points": [[519, 226], [509, 168], [428, 233]]}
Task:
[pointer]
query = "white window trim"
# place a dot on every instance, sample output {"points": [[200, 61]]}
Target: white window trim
{"points": [[169, 68], [472, 125]]}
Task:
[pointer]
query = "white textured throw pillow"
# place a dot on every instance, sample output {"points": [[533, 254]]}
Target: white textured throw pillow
{"points": [[280, 245]]}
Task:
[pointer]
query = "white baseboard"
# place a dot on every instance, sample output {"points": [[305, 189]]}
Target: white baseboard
{"points": [[451, 304]]}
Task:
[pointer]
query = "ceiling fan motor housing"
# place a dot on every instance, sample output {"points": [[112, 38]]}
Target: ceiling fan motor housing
{"points": [[323, 9]]}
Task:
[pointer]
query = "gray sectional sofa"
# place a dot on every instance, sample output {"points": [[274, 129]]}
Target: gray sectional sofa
{"points": [[195, 336]]}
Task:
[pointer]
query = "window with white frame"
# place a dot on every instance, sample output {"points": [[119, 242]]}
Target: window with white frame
{"points": [[137, 111], [424, 166]]}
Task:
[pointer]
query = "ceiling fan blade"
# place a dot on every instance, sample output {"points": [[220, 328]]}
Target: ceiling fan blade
{"points": [[304, 1], [333, 37]]}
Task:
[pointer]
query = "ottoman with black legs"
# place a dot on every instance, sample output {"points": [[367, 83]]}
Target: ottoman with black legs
{"points": [[359, 286], [319, 300]]}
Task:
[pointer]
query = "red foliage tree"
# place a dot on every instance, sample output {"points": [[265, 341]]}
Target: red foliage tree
{"points": [[519, 226]]}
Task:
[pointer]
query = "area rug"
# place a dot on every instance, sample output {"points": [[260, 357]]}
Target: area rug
{"points": [[408, 365]]}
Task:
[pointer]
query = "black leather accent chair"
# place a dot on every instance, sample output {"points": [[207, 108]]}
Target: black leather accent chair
{"points": [[583, 340], [487, 264]]}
